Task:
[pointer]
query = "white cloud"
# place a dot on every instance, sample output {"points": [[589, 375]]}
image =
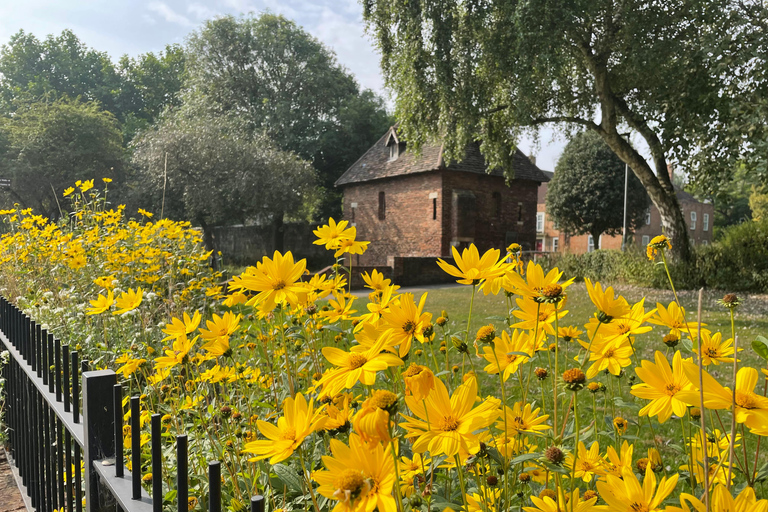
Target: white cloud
{"points": [[171, 16], [200, 11]]}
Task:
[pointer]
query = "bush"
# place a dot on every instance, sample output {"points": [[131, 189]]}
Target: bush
{"points": [[738, 262]]}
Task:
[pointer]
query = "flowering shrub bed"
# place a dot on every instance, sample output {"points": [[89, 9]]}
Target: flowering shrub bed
{"points": [[324, 401]]}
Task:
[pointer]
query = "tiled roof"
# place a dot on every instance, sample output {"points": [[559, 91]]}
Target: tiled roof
{"points": [[375, 164]]}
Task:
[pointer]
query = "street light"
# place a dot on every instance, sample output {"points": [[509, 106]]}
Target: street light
{"points": [[624, 228]]}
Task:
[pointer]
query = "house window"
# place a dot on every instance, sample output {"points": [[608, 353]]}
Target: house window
{"points": [[540, 222], [646, 240], [590, 244], [693, 220], [705, 222], [648, 217], [704, 242], [555, 244], [496, 204], [352, 210], [693, 242], [395, 150], [382, 206], [519, 212], [434, 208]]}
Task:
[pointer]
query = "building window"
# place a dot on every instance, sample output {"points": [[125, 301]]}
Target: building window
{"points": [[555, 244], [352, 210], [519, 212], [693, 242], [540, 222], [434, 208], [705, 222], [693, 220], [648, 217], [382, 206], [704, 242], [496, 204], [646, 240], [590, 243]]}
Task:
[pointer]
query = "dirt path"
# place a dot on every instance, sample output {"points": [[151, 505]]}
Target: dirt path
{"points": [[10, 497]]}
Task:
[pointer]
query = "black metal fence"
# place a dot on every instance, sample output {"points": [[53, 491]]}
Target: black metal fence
{"points": [[49, 442]]}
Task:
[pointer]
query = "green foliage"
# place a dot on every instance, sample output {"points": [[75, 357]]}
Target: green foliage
{"points": [[286, 84], [586, 195], [737, 262], [50, 145], [758, 202], [209, 168]]}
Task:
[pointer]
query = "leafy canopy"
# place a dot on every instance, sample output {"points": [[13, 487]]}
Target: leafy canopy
{"points": [[586, 195]]}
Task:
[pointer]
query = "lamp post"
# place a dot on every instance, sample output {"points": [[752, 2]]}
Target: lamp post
{"points": [[624, 227]]}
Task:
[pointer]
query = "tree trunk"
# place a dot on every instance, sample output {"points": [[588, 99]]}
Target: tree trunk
{"points": [[208, 240], [279, 232]]}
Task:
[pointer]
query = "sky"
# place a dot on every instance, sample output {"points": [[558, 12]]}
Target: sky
{"points": [[138, 26]]}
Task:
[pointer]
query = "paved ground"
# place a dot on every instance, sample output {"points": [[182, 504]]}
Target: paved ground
{"points": [[10, 497]]}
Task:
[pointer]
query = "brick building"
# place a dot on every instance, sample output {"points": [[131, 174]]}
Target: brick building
{"points": [[416, 206], [699, 217]]}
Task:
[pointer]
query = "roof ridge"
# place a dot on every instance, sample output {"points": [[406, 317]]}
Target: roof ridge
{"points": [[386, 134]]}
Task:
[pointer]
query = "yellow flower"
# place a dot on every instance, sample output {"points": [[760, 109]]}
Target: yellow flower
{"points": [[506, 354], [86, 185], [406, 322], [657, 245], [471, 268], [714, 349], [628, 325], [331, 234], [533, 314], [664, 386], [178, 355], [751, 408], [375, 281], [449, 425], [359, 477], [360, 364], [104, 282], [607, 355], [341, 309], [419, 381], [128, 301], [485, 501], [68, 191], [350, 246], [145, 213], [587, 462], [674, 318], [101, 304], [721, 500], [608, 306], [564, 502], [178, 328], [522, 420], [299, 420], [130, 365], [628, 495], [372, 421], [614, 464], [276, 280], [536, 285], [106, 180], [218, 332]]}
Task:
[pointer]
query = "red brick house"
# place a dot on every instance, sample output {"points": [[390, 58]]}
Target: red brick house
{"points": [[417, 206], [698, 215]]}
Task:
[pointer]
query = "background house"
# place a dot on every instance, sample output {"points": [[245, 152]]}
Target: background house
{"points": [[417, 206], [549, 238]]}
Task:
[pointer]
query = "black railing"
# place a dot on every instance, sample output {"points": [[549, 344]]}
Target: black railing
{"points": [[48, 441]]}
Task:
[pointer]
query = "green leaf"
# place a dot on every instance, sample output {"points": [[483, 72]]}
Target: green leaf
{"points": [[288, 476], [760, 345], [524, 457]]}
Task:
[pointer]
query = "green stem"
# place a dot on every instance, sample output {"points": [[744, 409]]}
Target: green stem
{"points": [[576, 448], [460, 469]]}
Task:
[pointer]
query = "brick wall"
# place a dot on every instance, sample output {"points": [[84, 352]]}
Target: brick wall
{"points": [[509, 216], [408, 227]]}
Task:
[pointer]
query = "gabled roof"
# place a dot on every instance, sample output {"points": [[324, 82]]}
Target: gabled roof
{"points": [[375, 163]]}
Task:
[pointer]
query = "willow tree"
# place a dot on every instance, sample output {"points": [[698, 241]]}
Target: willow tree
{"points": [[490, 70]]}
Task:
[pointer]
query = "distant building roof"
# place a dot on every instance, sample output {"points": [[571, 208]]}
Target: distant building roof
{"points": [[376, 164]]}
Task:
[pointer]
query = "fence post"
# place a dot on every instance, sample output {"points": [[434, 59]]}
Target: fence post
{"points": [[98, 433]]}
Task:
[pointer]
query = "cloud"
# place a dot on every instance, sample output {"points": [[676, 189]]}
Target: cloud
{"points": [[169, 15], [200, 11]]}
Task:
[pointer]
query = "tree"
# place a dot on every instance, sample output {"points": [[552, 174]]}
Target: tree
{"points": [[150, 83], [489, 71], [48, 146], [209, 168], [586, 195], [62, 66], [287, 85]]}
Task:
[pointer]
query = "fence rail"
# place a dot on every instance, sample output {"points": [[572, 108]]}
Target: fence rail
{"points": [[49, 442]]}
